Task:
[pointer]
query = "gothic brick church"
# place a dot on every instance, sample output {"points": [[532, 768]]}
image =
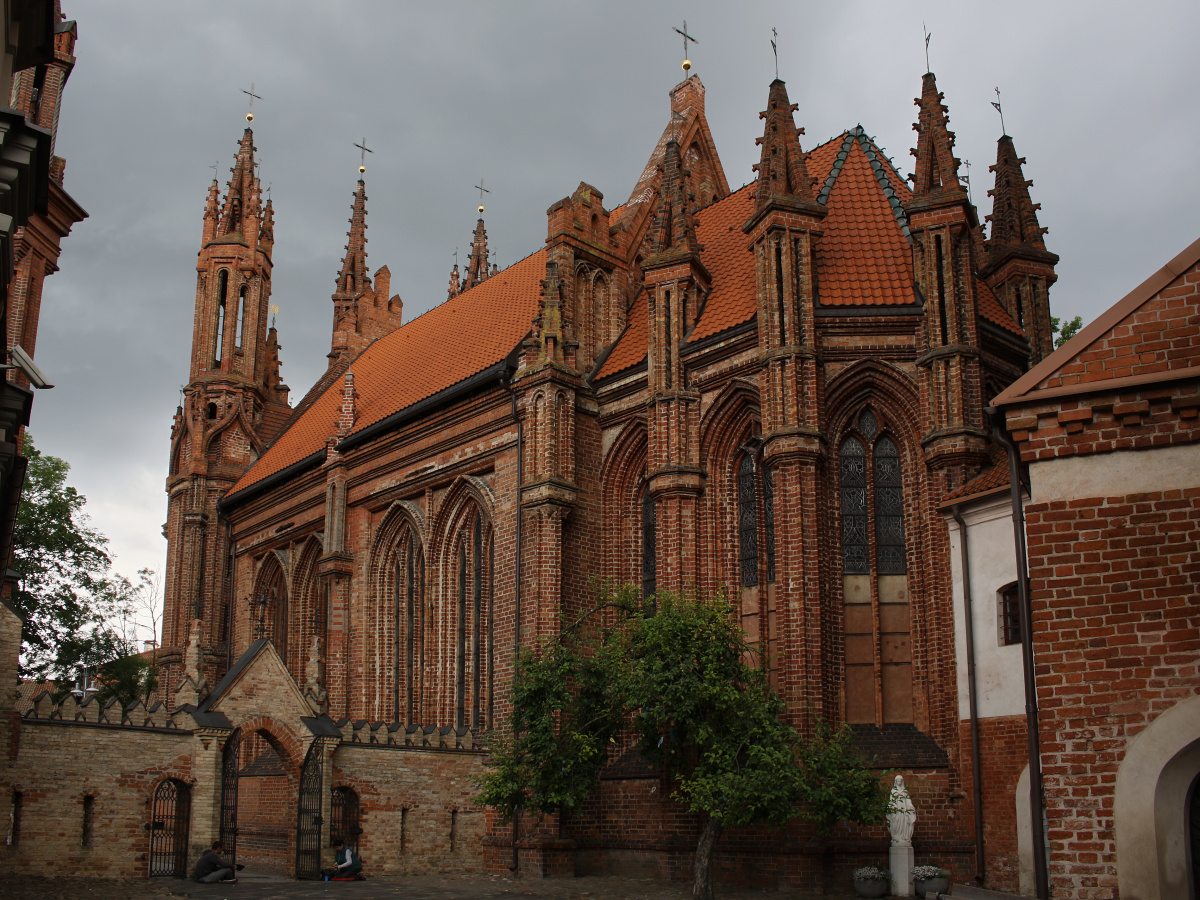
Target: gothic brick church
{"points": [[772, 392], [768, 391]]}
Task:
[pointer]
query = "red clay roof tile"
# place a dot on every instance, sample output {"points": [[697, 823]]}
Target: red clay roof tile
{"points": [[446, 345]]}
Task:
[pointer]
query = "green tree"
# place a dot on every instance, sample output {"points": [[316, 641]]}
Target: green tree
{"points": [[76, 614], [675, 673], [1063, 333]]}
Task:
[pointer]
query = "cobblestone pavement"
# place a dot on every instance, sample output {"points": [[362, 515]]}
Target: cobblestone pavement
{"points": [[416, 887]]}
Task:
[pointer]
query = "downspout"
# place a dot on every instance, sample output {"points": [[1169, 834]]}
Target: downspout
{"points": [[1036, 810], [517, 580], [969, 627]]}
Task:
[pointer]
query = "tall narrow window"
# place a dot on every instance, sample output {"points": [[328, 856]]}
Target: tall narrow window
{"points": [[1010, 614], [241, 318], [14, 819], [89, 815], [460, 679], [476, 621], [747, 521], [649, 576], [768, 483], [877, 616], [222, 291], [409, 564], [669, 344]]}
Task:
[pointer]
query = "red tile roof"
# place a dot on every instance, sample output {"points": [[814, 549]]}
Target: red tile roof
{"points": [[989, 480], [446, 345], [863, 259], [990, 309]]}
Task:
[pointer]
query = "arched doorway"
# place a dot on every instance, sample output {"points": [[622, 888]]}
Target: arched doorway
{"points": [[259, 801], [230, 769], [170, 817], [1154, 806]]}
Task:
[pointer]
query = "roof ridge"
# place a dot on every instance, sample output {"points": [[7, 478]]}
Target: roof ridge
{"points": [[874, 156], [462, 294], [836, 169]]}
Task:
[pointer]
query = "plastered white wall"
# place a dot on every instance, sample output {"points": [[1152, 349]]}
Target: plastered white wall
{"points": [[999, 683]]}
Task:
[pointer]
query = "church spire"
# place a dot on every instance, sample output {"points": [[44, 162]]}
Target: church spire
{"points": [[212, 211], [674, 228], [241, 202], [937, 167], [353, 277], [477, 268], [782, 174], [1014, 214], [1017, 266], [455, 284]]}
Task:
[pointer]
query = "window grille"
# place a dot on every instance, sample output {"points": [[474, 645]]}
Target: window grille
{"points": [[747, 521], [889, 509], [855, 558], [1010, 615]]}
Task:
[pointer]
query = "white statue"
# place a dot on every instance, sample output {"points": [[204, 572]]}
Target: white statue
{"points": [[902, 815]]}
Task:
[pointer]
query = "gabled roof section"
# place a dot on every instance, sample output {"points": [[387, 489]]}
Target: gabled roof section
{"points": [[445, 346], [1147, 337], [863, 259]]}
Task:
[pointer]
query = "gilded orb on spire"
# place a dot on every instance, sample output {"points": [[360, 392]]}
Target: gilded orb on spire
{"points": [[481, 209], [362, 162]]}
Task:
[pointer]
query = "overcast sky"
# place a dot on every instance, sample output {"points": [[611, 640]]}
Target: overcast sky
{"points": [[535, 97]]}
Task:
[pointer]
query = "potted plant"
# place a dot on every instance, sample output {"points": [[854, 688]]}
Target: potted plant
{"points": [[930, 878], [871, 881]]}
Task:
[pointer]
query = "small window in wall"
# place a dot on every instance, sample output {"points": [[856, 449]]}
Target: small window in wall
{"points": [[1009, 608], [89, 817], [14, 819]]}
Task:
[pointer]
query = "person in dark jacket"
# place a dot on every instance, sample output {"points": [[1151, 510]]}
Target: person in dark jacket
{"points": [[211, 867], [348, 863]]}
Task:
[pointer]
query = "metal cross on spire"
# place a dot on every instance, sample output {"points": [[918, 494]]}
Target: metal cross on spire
{"points": [[362, 163], [928, 35], [967, 178], [775, 50], [482, 190], [215, 166], [996, 103], [253, 96], [687, 63]]}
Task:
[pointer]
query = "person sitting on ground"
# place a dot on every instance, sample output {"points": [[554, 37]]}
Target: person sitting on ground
{"points": [[211, 867], [348, 863]]}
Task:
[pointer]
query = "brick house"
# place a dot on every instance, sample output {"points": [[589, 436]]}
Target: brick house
{"points": [[770, 391], [1107, 430]]}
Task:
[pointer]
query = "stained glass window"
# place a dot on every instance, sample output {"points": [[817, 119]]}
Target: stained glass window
{"points": [[855, 556], [889, 509]]}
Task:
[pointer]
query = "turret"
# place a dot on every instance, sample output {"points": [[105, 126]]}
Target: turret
{"points": [[1017, 266], [477, 268]]}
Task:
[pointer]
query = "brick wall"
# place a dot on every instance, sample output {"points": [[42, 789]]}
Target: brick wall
{"points": [[1117, 637]]}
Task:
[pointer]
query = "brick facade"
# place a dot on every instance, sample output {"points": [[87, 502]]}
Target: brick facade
{"points": [[1108, 428], [349, 586]]}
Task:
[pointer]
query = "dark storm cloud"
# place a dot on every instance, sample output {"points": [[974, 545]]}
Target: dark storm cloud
{"points": [[535, 98]]}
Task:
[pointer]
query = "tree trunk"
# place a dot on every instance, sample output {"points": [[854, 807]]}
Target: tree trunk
{"points": [[702, 888]]}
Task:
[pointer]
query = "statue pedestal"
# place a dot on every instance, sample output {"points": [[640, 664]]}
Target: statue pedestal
{"points": [[900, 861]]}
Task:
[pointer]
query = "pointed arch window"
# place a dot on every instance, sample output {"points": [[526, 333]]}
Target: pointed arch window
{"points": [[241, 315], [222, 294], [409, 600], [474, 677], [877, 616], [755, 492]]}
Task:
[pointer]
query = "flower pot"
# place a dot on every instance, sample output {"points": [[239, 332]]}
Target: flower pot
{"points": [[872, 887], [921, 887]]}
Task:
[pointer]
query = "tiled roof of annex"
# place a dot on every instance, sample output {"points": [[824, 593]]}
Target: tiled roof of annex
{"points": [[434, 351], [864, 258]]}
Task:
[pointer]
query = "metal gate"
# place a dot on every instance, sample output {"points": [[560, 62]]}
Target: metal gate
{"points": [[171, 813], [308, 816], [229, 794], [343, 824]]}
